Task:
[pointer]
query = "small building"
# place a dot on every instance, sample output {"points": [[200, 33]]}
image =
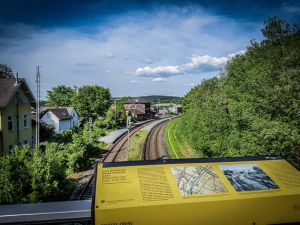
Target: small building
{"points": [[139, 108], [176, 109], [62, 118], [16, 127]]}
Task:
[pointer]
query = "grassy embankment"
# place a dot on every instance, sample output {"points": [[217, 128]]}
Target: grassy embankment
{"points": [[177, 145], [135, 151]]}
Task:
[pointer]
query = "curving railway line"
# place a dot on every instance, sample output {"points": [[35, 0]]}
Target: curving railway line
{"points": [[117, 152], [155, 147]]}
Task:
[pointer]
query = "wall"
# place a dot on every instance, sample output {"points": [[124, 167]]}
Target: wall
{"points": [[11, 138]]}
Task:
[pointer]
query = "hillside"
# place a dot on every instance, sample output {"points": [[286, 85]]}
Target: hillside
{"points": [[154, 99]]}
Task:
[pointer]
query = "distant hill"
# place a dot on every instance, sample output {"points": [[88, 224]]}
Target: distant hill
{"points": [[155, 99]]}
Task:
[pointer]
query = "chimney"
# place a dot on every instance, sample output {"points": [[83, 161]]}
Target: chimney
{"points": [[17, 76]]}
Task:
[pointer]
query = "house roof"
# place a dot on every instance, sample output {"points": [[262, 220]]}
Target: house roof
{"points": [[62, 113], [8, 88], [136, 101]]}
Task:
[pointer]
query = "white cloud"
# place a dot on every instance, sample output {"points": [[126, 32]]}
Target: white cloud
{"points": [[198, 61], [136, 81], [159, 79], [109, 55], [85, 64], [163, 37], [231, 55], [160, 71], [147, 61], [191, 84], [290, 9]]}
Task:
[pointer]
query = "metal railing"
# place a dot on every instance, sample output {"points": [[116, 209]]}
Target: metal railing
{"points": [[41, 213]]}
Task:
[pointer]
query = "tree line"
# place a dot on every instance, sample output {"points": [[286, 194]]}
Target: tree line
{"points": [[252, 107]]}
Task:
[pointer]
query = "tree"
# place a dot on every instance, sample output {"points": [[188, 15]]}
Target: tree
{"points": [[121, 113], [6, 71], [92, 101], [47, 130], [29, 176], [252, 108], [60, 96], [276, 28]]}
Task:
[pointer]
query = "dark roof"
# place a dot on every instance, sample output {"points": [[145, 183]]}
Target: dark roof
{"points": [[136, 101], [61, 113], [33, 119], [8, 88]]}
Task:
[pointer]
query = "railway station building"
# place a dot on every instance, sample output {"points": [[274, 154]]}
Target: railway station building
{"points": [[139, 108]]}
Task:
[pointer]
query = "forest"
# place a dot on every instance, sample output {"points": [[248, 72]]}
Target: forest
{"points": [[252, 106]]}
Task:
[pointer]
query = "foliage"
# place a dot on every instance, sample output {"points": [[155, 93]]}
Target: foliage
{"points": [[29, 176], [135, 153], [177, 143], [253, 107], [60, 96], [46, 131], [121, 113], [162, 99], [32, 176], [108, 122], [92, 101], [6, 71]]}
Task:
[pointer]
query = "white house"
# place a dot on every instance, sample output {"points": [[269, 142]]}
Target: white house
{"points": [[62, 118]]}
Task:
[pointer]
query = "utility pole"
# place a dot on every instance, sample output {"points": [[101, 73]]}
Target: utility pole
{"points": [[128, 125], [37, 111], [116, 111]]}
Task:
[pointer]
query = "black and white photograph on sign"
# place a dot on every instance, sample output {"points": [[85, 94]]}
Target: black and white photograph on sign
{"points": [[248, 177]]}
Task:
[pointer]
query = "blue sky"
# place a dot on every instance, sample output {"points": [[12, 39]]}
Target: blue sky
{"points": [[133, 47]]}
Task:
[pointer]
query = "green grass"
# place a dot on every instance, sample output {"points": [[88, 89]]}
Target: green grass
{"points": [[135, 151], [177, 145]]}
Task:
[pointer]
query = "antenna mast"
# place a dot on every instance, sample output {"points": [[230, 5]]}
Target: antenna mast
{"points": [[37, 113]]}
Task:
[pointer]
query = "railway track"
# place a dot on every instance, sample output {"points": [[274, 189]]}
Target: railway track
{"points": [[116, 152], [155, 147]]}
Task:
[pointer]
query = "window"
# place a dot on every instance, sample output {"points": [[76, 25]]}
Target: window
{"points": [[25, 121], [32, 142], [18, 122], [10, 123], [20, 144], [10, 148], [26, 142]]}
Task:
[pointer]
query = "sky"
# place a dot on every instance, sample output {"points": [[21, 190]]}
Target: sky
{"points": [[133, 47]]}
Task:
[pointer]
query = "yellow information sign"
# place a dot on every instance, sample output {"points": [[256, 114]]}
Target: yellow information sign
{"points": [[254, 191]]}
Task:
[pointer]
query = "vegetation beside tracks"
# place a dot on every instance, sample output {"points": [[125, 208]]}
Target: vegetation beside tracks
{"points": [[177, 144], [135, 152], [252, 107]]}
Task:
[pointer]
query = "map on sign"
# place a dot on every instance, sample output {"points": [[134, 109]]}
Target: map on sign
{"points": [[195, 180]]}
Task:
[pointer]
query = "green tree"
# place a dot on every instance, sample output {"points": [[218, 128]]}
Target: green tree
{"points": [[92, 101], [6, 71], [121, 113], [60, 96], [29, 176], [47, 131], [252, 108]]}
